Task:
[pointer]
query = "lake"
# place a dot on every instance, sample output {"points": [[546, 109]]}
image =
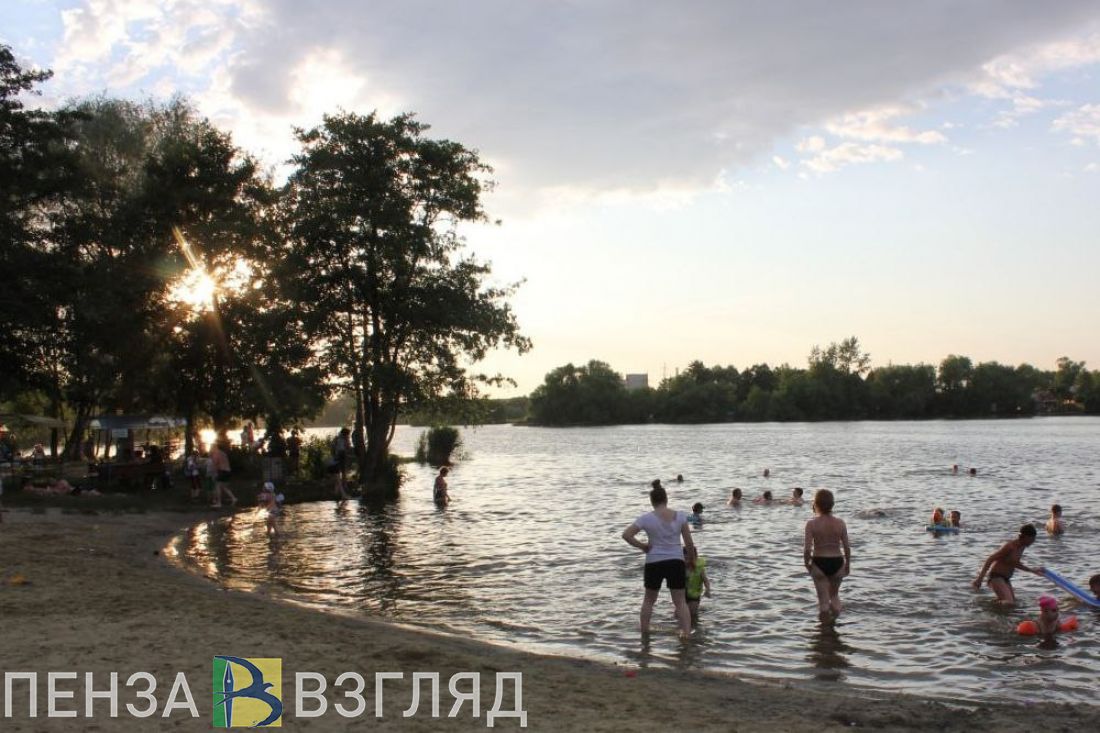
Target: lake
{"points": [[529, 552]]}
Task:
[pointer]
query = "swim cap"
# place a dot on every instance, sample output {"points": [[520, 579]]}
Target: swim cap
{"points": [[1048, 603]]}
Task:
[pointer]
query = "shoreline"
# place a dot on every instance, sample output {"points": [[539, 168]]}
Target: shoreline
{"points": [[100, 597]]}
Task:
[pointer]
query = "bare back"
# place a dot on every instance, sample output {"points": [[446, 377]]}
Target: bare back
{"points": [[826, 536]]}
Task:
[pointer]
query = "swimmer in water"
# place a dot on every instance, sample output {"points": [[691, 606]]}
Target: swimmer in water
{"points": [[955, 519], [796, 497], [695, 519], [1056, 525], [765, 498], [973, 472], [767, 473], [937, 517], [735, 498], [826, 555], [1048, 619], [1003, 563], [679, 478], [440, 494], [954, 469]]}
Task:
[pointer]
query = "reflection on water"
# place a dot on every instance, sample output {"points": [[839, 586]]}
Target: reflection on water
{"points": [[827, 652], [529, 551]]}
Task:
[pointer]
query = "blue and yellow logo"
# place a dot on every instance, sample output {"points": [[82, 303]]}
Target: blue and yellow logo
{"points": [[248, 693]]}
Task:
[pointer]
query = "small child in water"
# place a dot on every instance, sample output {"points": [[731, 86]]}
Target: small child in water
{"points": [[268, 500], [735, 498], [1048, 618], [698, 584], [938, 517], [955, 519], [1056, 525], [765, 498], [796, 497], [695, 519], [1094, 585]]}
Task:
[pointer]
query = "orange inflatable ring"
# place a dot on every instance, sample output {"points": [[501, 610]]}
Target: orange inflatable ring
{"points": [[1028, 627]]}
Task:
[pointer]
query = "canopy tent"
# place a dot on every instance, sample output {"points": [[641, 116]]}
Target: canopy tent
{"points": [[12, 419], [136, 422], [123, 428]]}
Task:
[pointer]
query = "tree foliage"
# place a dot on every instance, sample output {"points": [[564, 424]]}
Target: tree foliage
{"points": [[374, 257]]}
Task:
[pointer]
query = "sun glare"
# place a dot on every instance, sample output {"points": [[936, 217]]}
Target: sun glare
{"points": [[195, 289]]}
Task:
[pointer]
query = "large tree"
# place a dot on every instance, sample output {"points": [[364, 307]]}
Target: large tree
{"points": [[374, 257]]}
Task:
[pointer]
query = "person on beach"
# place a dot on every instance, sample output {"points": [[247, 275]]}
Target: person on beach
{"points": [[664, 561], [341, 445], [1055, 524], [294, 451], [735, 498], [192, 469], [698, 584], [222, 471], [765, 498], [1003, 563], [796, 497], [826, 555], [439, 491]]}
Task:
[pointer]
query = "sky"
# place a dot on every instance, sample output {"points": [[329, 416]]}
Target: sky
{"points": [[729, 181]]}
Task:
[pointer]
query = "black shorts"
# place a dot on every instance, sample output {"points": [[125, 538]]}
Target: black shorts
{"points": [[666, 570], [223, 476]]}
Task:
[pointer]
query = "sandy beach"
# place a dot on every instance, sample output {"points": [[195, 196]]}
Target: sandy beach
{"points": [[99, 596]]}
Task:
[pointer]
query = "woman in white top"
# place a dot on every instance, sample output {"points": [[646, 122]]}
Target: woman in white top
{"points": [[664, 560]]}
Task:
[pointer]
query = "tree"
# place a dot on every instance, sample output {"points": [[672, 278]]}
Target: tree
{"points": [[846, 357], [952, 382], [1065, 377], [592, 394], [31, 171], [373, 255]]}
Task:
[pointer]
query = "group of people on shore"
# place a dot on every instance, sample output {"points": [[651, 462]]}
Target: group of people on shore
{"points": [[673, 559]]}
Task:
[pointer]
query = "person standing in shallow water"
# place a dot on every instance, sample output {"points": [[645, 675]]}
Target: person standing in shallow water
{"points": [[826, 555], [1003, 563], [664, 562]]}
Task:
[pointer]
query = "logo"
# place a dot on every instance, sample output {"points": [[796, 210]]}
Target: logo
{"points": [[248, 692]]}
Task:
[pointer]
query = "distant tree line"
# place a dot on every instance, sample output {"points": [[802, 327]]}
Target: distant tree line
{"points": [[349, 278], [837, 384]]}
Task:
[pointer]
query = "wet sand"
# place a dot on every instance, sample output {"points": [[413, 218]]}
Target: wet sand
{"points": [[100, 597]]}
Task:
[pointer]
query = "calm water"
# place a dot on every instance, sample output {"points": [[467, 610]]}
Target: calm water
{"points": [[529, 552]]}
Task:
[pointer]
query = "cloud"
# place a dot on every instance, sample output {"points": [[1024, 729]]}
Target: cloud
{"points": [[879, 125], [1082, 123], [850, 153], [604, 95]]}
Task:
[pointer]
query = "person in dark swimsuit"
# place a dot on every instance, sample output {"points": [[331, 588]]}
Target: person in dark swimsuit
{"points": [[826, 555], [1003, 563]]}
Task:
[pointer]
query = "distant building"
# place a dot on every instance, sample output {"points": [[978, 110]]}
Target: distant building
{"points": [[636, 381]]}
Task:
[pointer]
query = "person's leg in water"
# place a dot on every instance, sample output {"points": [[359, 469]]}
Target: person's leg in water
{"points": [[693, 608], [651, 595], [1003, 589], [824, 599], [834, 594], [679, 599]]}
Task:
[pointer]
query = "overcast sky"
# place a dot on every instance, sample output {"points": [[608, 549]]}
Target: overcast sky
{"points": [[726, 181]]}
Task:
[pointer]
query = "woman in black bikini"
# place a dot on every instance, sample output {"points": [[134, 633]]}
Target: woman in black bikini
{"points": [[826, 555]]}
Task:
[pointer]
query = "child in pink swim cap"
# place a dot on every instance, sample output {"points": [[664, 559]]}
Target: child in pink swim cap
{"points": [[1048, 617]]}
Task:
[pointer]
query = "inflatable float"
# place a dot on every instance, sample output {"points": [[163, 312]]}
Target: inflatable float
{"points": [[1027, 627], [1074, 590], [941, 528]]}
